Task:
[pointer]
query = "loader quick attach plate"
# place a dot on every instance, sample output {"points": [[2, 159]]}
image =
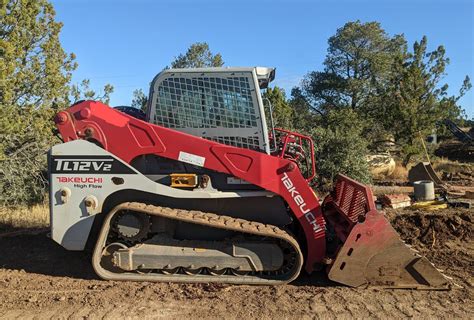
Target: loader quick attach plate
{"points": [[372, 252]]}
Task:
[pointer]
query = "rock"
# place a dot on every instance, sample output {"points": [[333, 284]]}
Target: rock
{"points": [[457, 220], [381, 165]]}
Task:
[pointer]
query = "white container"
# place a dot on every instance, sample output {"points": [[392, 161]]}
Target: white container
{"points": [[424, 190]]}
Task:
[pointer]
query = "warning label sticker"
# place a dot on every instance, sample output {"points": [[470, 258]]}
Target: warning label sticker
{"points": [[191, 158]]}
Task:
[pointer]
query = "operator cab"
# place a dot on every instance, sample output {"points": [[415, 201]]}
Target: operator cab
{"points": [[219, 104]]}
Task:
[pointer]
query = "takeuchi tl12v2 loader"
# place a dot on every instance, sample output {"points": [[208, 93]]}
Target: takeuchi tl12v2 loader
{"points": [[200, 191]]}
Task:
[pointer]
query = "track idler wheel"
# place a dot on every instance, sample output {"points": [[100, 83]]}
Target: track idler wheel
{"points": [[107, 260]]}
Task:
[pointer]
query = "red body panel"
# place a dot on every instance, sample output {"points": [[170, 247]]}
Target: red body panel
{"points": [[128, 138]]}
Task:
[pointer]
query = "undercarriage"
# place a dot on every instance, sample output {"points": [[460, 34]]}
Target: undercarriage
{"points": [[142, 242]]}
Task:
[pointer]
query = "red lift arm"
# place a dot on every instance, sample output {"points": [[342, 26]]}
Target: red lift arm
{"points": [[127, 138]]}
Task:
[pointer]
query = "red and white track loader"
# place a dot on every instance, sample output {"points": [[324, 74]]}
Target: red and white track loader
{"points": [[200, 192]]}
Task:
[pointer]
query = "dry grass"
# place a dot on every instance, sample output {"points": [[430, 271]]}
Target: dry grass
{"points": [[400, 173], [445, 165], [24, 217]]}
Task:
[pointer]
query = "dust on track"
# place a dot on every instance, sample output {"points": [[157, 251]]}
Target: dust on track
{"points": [[39, 279]]}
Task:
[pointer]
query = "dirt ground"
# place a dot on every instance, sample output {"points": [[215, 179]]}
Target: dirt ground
{"points": [[39, 279]]}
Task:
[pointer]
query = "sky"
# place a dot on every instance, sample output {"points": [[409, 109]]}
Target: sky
{"points": [[126, 43]]}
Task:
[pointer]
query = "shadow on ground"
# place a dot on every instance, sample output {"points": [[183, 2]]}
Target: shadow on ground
{"points": [[7, 228], [39, 254]]}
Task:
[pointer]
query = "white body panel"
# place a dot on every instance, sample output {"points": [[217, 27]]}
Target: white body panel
{"points": [[76, 181]]}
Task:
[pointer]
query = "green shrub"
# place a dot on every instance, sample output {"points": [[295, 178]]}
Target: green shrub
{"points": [[25, 139], [340, 147]]}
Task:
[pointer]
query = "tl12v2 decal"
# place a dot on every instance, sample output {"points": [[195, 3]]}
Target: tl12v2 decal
{"points": [[88, 164]]}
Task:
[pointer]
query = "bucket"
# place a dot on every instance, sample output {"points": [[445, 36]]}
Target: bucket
{"points": [[424, 190]]}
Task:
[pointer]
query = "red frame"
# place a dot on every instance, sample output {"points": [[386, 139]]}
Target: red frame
{"points": [[127, 138], [291, 136]]}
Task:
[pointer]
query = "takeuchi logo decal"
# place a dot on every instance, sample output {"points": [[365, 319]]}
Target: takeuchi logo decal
{"points": [[79, 180], [300, 202]]}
